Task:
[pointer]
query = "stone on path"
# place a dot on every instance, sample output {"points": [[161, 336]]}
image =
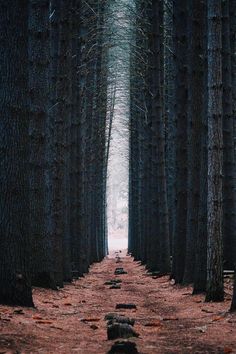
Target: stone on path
{"points": [[126, 306], [120, 330], [120, 271], [123, 348], [115, 286], [115, 318]]}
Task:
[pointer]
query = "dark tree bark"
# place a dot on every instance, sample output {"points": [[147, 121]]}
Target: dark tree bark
{"points": [[65, 106], [15, 286], [159, 137], [201, 77], [232, 10], [215, 288], [195, 130], [57, 137], [181, 100], [169, 114], [75, 126], [229, 201], [233, 303], [39, 148]]}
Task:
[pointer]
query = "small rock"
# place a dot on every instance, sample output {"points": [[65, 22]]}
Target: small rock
{"points": [[115, 286], [109, 283], [110, 316], [126, 306], [120, 330], [120, 271], [123, 348], [202, 329], [207, 311], [90, 319], [153, 324], [94, 327], [18, 311], [114, 318]]}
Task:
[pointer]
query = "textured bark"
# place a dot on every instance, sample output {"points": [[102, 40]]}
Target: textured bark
{"points": [[75, 142], [39, 149], [215, 289], [181, 99], [201, 241], [65, 91], [232, 10], [159, 137], [195, 114], [169, 114], [229, 201], [57, 131], [15, 286]]}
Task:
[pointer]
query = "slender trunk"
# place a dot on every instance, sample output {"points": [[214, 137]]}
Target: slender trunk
{"points": [[181, 100], [159, 137], [229, 225], [195, 114], [215, 287]]}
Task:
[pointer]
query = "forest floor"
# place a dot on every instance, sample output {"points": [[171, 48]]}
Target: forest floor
{"points": [[71, 320]]}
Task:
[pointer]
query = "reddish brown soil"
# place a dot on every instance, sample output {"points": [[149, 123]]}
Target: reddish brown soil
{"points": [[168, 318]]}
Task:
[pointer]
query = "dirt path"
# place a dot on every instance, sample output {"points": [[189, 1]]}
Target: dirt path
{"points": [[168, 318]]}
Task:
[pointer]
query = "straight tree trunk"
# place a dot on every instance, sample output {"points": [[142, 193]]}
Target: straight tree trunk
{"points": [[159, 135], [215, 287], [181, 100], [201, 77], [57, 136], [15, 288], [229, 201], [39, 166], [195, 114]]}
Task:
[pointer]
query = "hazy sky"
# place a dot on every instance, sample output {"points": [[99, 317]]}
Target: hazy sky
{"points": [[119, 60]]}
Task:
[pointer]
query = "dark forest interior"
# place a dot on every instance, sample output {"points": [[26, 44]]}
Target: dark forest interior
{"points": [[134, 95]]}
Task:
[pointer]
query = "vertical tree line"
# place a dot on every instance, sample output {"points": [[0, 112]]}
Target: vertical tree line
{"points": [[58, 97], [182, 151], [53, 151]]}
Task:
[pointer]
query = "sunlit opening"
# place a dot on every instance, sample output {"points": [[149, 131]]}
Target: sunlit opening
{"points": [[118, 110]]}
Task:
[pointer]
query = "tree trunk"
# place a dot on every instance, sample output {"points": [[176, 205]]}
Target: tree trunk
{"points": [[215, 287], [159, 137], [57, 136], [229, 201], [181, 100], [195, 114], [39, 166], [15, 286]]}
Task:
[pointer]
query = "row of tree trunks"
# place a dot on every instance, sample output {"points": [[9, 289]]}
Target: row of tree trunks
{"points": [[53, 144], [189, 169]]}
